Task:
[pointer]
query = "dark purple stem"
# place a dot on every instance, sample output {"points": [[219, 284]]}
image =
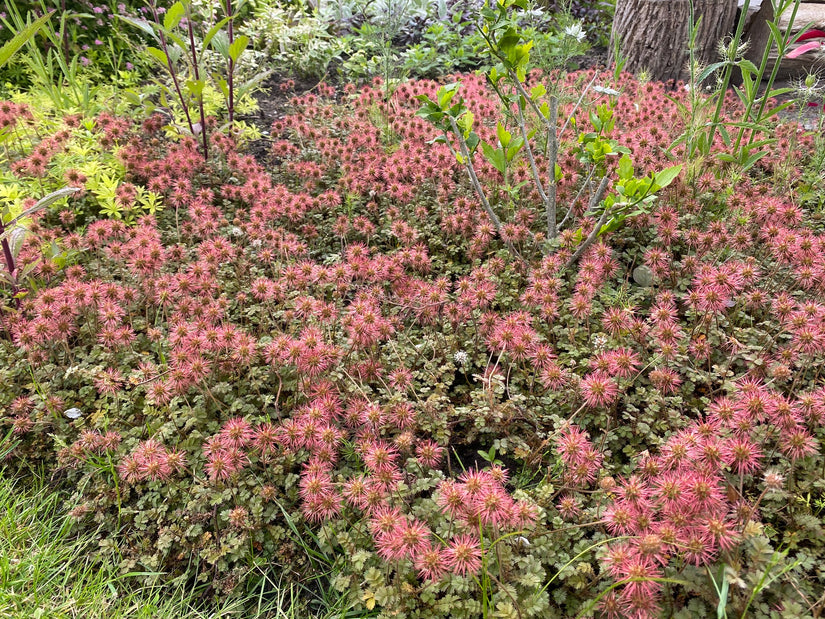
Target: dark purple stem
{"points": [[197, 78], [172, 73], [7, 255], [231, 102]]}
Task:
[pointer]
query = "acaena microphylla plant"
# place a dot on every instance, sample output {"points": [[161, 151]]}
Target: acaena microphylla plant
{"points": [[303, 365]]}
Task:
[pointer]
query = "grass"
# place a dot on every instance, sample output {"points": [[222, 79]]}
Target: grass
{"points": [[47, 570]]}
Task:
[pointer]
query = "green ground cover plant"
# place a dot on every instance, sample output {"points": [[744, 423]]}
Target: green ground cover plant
{"points": [[47, 569], [371, 368]]}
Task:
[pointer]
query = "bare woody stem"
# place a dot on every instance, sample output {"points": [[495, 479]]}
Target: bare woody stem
{"points": [[468, 165], [584, 186], [549, 207], [597, 197], [553, 138], [548, 197]]}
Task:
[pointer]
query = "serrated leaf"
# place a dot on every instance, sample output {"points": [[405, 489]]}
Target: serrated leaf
{"points": [[709, 70], [725, 135], [237, 47], [779, 91], [220, 43], [776, 110], [44, 202], [213, 31], [747, 65], [142, 24], [173, 16]]}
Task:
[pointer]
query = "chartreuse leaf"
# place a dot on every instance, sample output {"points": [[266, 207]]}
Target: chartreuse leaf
{"points": [[446, 94], [465, 123], [173, 16], [625, 168], [237, 47], [495, 156], [503, 135], [158, 55], [667, 176]]}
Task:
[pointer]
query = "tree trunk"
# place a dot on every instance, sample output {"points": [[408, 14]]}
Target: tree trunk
{"points": [[653, 34]]}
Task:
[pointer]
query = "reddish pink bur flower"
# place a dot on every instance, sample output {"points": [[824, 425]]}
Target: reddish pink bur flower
{"points": [[797, 444], [493, 506], [464, 555], [431, 562], [429, 453], [237, 432], [599, 390], [452, 498]]}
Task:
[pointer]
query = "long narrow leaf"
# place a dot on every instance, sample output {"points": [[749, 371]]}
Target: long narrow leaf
{"points": [[22, 37], [142, 24], [45, 202], [213, 31]]}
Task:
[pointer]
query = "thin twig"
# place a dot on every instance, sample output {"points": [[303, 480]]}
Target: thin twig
{"points": [[595, 232]]}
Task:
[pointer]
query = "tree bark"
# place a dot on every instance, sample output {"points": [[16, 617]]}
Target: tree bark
{"points": [[653, 34]]}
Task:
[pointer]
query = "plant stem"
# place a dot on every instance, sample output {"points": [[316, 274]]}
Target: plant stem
{"points": [[172, 72], [468, 165], [9, 258], [197, 79], [549, 208], [230, 80], [597, 197], [734, 45], [774, 71]]}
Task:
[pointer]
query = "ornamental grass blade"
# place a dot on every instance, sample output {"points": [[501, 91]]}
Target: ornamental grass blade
{"points": [[22, 37]]}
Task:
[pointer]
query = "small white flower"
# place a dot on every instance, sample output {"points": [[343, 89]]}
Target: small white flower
{"points": [[575, 31], [604, 90], [461, 358], [73, 413]]}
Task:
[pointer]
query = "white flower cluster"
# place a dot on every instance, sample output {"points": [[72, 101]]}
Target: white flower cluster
{"points": [[575, 31]]}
